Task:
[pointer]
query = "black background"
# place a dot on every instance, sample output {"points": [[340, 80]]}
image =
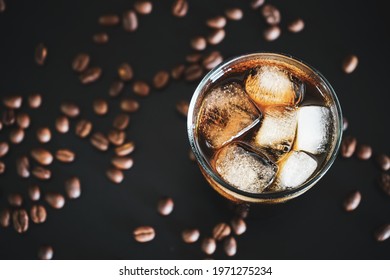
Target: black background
{"points": [[99, 224]]}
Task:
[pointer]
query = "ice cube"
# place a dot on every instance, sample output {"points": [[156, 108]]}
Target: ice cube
{"points": [[270, 85], [313, 130], [277, 131], [226, 113], [239, 166]]}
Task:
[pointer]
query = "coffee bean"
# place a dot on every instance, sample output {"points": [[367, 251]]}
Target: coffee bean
{"points": [[65, 155], [122, 163], [116, 137], [220, 231], [177, 71], [161, 79], [121, 121], [34, 192], [234, 14], [100, 38], [271, 14], [165, 206], [198, 43], [191, 155], [125, 149], [70, 109], [20, 220], [216, 36], [190, 235], [23, 167], [90, 75], [34, 100], [180, 8], [141, 88], [348, 146], [382, 160], [130, 21], [42, 156], [212, 60], [15, 199], [73, 187], [352, 201], [208, 245], [143, 7], [272, 33], [217, 22], [83, 128], [23, 120], [2, 6], [109, 20], [345, 123], [255, 4], [242, 210], [43, 134], [230, 246], [182, 107], [40, 54], [5, 217], [2, 167], [193, 73], [382, 233], [238, 225], [350, 63], [144, 234], [363, 152], [297, 25], [384, 183], [115, 175], [116, 88], [55, 200], [8, 117], [13, 101], [45, 253], [193, 57], [62, 124], [99, 141], [38, 214], [16, 135], [4, 148], [80, 62], [129, 105], [100, 106], [125, 72], [41, 173]]}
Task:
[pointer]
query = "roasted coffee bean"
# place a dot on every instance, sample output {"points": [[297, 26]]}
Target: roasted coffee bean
{"points": [[182, 107], [73, 187], [115, 175], [238, 225], [45, 253], [122, 163], [382, 160], [271, 14], [352, 201], [144, 234], [130, 21], [297, 25], [129, 105], [216, 36], [382, 233], [350, 63], [2, 167], [125, 149], [121, 121], [42, 156], [41, 173], [191, 155], [384, 183], [70, 109], [109, 20], [190, 235], [100, 106], [81, 62], [4, 148], [16, 135], [90, 75], [217, 22], [272, 33], [34, 100], [363, 152], [116, 88], [165, 206], [116, 137], [15, 199], [13, 101], [34, 192], [62, 124], [180, 8], [5, 217], [193, 73], [55, 200], [208, 245], [161, 79], [43, 134], [193, 57], [100, 38], [99, 141], [2, 6], [83, 128], [141, 88], [230, 246], [65, 155], [255, 4], [143, 7], [20, 220], [198, 43], [234, 14], [40, 54], [23, 167], [220, 231], [345, 123], [177, 71], [38, 214], [125, 72], [8, 117], [212, 60], [23, 120], [242, 210], [348, 146]]}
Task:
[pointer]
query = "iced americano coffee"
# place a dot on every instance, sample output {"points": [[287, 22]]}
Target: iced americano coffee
{"points": [[264, 127]]}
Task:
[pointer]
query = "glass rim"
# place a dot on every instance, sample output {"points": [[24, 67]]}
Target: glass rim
{"points": [[216, 73]]}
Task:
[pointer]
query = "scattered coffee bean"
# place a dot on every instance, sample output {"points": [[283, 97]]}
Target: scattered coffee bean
{"points": [[4, 148], [217, 22], [100, 106], [271, 14], [45, 253], [40, 54], [143, 7], [70, 109], [242, 210], [190, 235], [100, 38], [55, 200], [180, 8], [177, 71], [34, 100], [125, 72], [141, 88], [198, 43], [382, 160], [182, 107], [272, 33], [15, 199], [23, 120], [220, 231], [350, 63], [116, 88], [2, 6], [122, 163], [348, 146], [41, 173], [109, 20], [144, 234], [165, 206], [234, 14], [5, 217], [212, 60], [238, 225], [208, 245], [345, 123], [130, 21], [382, 233], [23, 167], [42, 156], [65, 155], [34, 192], [384, 183], [13, 101], [115, 175], [121, 121], [125, 149], [20, 220], [363, 152], [38, 214], [62, 124], [8, 117], [255, 4], [83, 128], [73, 187], [90, 75], [161, 79], [16, 135], [230, 246], [129, 105], [80, 62], [193, 73], [191, 155], [193, 57], [2, 167], [99, 141], [352, 201], [216, 36], [297, 25], [116, 137], [43, 134]]}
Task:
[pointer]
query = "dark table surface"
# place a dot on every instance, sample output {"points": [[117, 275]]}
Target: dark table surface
{"points": [[99, 224]]}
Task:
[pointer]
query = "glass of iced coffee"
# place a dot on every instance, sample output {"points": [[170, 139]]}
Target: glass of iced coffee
{"points": [[264, 127]]}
